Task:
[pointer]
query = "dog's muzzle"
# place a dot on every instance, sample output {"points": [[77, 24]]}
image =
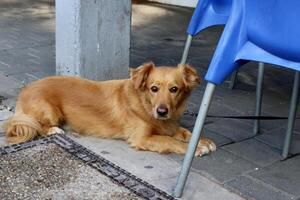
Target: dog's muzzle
{"points": [[162, 111]]}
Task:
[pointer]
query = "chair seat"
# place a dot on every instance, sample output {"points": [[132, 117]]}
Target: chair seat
{"points": [[250, 51]]}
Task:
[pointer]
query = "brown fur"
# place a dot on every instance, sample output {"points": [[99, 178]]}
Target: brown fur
{"points": [[121, 109]]}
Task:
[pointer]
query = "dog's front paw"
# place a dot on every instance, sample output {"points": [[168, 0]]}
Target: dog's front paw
{"points": [[205, 146], [54, 130]]}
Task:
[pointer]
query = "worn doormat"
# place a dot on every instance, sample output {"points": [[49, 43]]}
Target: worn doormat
{"points": [[56, 167]]}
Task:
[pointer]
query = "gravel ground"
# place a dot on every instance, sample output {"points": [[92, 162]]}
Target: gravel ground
{"points": [[47, 172]]}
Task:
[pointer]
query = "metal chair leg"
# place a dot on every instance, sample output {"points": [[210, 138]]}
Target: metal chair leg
{"points": [[292, 116], [233, 79], [181, 180], [186, 49], [259, 93]]}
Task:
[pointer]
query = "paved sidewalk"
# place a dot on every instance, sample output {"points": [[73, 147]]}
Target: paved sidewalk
{"points": [[249, 166]]}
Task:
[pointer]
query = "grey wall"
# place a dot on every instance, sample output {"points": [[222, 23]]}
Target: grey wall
{"points": [[93, 38]]}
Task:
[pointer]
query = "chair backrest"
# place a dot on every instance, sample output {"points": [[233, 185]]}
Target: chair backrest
{"points": [[209, 13], [265, 31], [275, 25]]}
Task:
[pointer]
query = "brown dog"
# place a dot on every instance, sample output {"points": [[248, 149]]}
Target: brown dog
{"points": [[143, 110]]}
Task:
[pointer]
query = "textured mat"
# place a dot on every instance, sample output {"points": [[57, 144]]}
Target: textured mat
{"points": [[56, 167]]}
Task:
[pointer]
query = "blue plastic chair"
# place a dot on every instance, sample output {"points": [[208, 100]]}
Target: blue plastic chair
{"points": [[267, 31], [216, 12], [207, 13]]}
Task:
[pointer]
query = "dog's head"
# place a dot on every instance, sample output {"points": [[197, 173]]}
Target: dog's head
{"points": [[164, 90]]}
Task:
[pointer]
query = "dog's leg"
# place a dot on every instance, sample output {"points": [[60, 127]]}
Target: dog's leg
{"points": [[205, 144], [48, 116], [163, 144], [183, 135]]}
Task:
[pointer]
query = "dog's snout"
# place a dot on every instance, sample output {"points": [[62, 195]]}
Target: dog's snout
{"points": [[162, 110]]}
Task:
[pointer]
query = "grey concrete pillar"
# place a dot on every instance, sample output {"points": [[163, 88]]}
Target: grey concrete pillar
{"points": [[93, 38]]}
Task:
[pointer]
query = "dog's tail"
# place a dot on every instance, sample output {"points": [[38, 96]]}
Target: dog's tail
{"points": [[21, 128]]}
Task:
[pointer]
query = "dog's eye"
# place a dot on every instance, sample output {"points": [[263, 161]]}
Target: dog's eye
{"points": [[154, 89], [173, 89]]}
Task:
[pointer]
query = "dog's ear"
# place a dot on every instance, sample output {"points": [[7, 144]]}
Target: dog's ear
{"points": [[190, 76], [139, 75]]}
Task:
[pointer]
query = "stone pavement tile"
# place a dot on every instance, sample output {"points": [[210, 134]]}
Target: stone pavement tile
{"points": [[9, 85], [136, 60], [247, 77], [275, 138], [203, 46], [239, 100], [200, 55], [218, 108], [273, 100], [198, 187], [32, 58], [153, 40], [187, 121], [143, 43], [29, 77], [158, 61], [283, 175], [4, 96], [218, 139], [24, 67], [18, 69], [5, 114], [251, 188], [23, 39], [25, 78], [24, 32], [269, 125], [2, 140], [157, 169], [272, 75], [276, 73], [147, 164], [138, 57], [220, 165], [297, 126], [43, 74], [196, 95], [254, 151], [1, 128], [192, 106], [281, 109], [9, 102], [2, 135], [236, 130], [277, 81], [145, 19], [15, 62]]}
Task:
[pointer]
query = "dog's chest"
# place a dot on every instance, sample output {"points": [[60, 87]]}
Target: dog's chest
{"points": [[165, 130]]}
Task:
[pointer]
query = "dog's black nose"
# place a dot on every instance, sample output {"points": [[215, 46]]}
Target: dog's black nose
{"points": [[162, 110]]}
